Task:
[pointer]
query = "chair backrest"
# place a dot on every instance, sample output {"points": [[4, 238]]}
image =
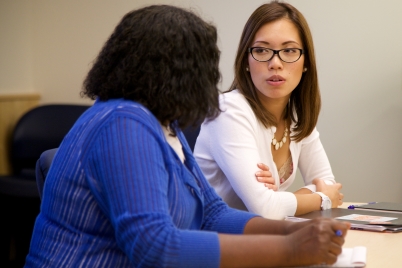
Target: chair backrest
{"points": [[191, 134], [40, 129], [42, 168]]}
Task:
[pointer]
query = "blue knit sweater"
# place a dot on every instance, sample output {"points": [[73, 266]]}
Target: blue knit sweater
{"points": [[117, 195]]}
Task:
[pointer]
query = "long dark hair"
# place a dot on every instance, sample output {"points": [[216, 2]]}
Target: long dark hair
{"points": [[165, 58], [305, 100]]}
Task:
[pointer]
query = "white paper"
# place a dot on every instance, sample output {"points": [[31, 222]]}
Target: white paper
{"points": [[351, 257]]}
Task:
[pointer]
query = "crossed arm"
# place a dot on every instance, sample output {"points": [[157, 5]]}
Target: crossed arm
{"points": [[306, 200]]}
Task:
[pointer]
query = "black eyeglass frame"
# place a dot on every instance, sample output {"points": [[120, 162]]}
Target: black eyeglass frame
{"points": [[276, 52]]}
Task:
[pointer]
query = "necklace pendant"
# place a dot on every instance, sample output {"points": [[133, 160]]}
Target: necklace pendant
{"points": [[276, 146], [279, 144]]}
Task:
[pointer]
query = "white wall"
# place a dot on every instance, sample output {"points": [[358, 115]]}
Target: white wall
{"points": [[15, 47], [47, 46]]}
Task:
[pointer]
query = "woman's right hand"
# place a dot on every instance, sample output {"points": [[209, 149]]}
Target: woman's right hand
{"points": [[317, 242], [332, 191]]}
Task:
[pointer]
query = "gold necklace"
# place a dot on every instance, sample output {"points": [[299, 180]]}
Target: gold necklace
{"points": [[279, 144]]}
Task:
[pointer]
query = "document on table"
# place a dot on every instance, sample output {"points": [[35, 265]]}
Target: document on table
{"points": [[361, 220]]}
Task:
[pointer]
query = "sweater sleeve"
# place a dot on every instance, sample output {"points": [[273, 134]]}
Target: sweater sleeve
{"points": [[231, 141], [130, 178]]}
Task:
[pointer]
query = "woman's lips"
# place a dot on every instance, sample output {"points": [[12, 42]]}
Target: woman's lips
{"points": [[276, 80]]}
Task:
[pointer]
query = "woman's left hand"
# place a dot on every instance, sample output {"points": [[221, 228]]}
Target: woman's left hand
{"points": [[265, 176], [332, 191]]}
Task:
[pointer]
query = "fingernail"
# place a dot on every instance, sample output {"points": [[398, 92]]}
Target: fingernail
{"points": [[258, 173]]}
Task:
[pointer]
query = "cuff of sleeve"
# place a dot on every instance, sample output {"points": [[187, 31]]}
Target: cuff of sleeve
{"points": [[199, 249], [234, 221], [289, 206], [311, 187], [285, 204]]}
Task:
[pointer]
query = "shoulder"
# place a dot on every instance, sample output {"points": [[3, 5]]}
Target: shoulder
{"points": [[114, 116], [234, 101], [236, 116], [232, 97], [103, 112], [121, 107], [315, 135]]}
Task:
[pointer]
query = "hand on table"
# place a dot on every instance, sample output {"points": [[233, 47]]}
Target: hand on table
{"points": [[332, 191]]}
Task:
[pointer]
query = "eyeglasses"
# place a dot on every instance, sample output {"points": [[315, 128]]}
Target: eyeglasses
{"points": [[288, 55]]}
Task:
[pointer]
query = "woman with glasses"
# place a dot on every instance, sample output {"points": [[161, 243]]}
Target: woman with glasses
{"points": [[269, 117]]}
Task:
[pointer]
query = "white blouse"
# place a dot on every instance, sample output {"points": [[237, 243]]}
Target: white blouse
{"points": [[229, 147]]}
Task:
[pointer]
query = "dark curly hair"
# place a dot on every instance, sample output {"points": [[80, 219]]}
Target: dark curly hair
{"points": [[165, 58]]}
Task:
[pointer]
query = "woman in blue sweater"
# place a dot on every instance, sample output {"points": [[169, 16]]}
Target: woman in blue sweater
{"points": [[124, 189]]}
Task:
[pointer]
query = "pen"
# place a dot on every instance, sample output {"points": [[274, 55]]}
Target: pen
{"points": [[356, 206]]}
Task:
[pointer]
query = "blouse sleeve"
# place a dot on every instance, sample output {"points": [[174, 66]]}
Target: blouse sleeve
{"points": [[313, 161]]}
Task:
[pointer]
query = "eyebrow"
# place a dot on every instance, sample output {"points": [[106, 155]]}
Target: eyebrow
{"points": [[284, 43]]}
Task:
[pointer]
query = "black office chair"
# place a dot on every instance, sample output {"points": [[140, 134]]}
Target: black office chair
{"points": [[191, 134], [40, 129], [42, 168]]}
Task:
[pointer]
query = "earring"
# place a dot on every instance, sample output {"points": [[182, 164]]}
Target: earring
{"points": [[305, 69], [247, 69]]}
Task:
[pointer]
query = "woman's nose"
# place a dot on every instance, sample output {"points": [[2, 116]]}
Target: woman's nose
{"points": [[275, 63]]}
